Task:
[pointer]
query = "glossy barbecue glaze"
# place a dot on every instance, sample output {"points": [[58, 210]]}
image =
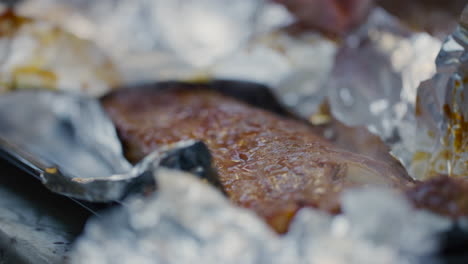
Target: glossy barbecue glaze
{"points": [[265, 162]]}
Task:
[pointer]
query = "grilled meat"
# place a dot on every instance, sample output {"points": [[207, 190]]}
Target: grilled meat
{"points": [[271, 164]]}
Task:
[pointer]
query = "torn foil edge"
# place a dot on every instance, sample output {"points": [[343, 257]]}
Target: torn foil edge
{"points": [[69, 143], [441, 137]]}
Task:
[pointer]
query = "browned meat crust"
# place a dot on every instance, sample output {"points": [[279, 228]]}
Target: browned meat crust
{"points": [[265, 162]]}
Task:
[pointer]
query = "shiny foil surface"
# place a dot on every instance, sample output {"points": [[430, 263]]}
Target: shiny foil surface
{"points": [[404, 86]]}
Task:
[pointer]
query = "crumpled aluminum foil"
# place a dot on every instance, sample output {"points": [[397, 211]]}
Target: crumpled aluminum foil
{"points": [[424, 124], [188, 221], [62, 129], [71, 145], [243, 41], [36, 53], [442, 111], [36, 226], [295, 67], [161, 45], [376, 74], [144, 27]]}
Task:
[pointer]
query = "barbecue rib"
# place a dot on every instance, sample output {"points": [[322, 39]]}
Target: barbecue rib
{"points": [[271, 164]]}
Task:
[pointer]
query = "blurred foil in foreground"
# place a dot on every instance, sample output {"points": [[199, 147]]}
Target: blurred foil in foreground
{"points": [[202, 39], [64, 130], [295, 67], [38, 54], [442, 111], [172, 36], [187, 221]]}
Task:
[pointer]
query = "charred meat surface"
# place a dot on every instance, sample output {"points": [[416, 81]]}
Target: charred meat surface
{"points": [[271, 164]]}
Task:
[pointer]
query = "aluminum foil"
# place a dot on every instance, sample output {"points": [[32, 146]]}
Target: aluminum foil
{"points": [[36, 226], [201, 37], [295, 67], [441, 111], [40, 54], [376, 74], [161, 46], [424, 124], [371, 82], [71, 145], [187, 221], [244, 41]]}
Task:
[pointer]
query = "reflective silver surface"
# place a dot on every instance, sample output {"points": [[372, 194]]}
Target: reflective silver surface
{"points": [[36, 226], [148, 40], [377, 72], [187, 221], [373, 83], [443, 113], [245, 41], [71, 144]]}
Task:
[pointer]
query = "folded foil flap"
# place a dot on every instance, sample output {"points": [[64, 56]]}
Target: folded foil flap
{"points": [[69, 142]]}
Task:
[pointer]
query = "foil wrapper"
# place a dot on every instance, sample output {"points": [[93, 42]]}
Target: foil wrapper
{"points": [[36, 226], [424, 124], [40, 54], [69, 143], [288, 65], [204, 34], [245, 41], [187, 221], [376, 74], [441, 111], [162, 46], [372, 83]]}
